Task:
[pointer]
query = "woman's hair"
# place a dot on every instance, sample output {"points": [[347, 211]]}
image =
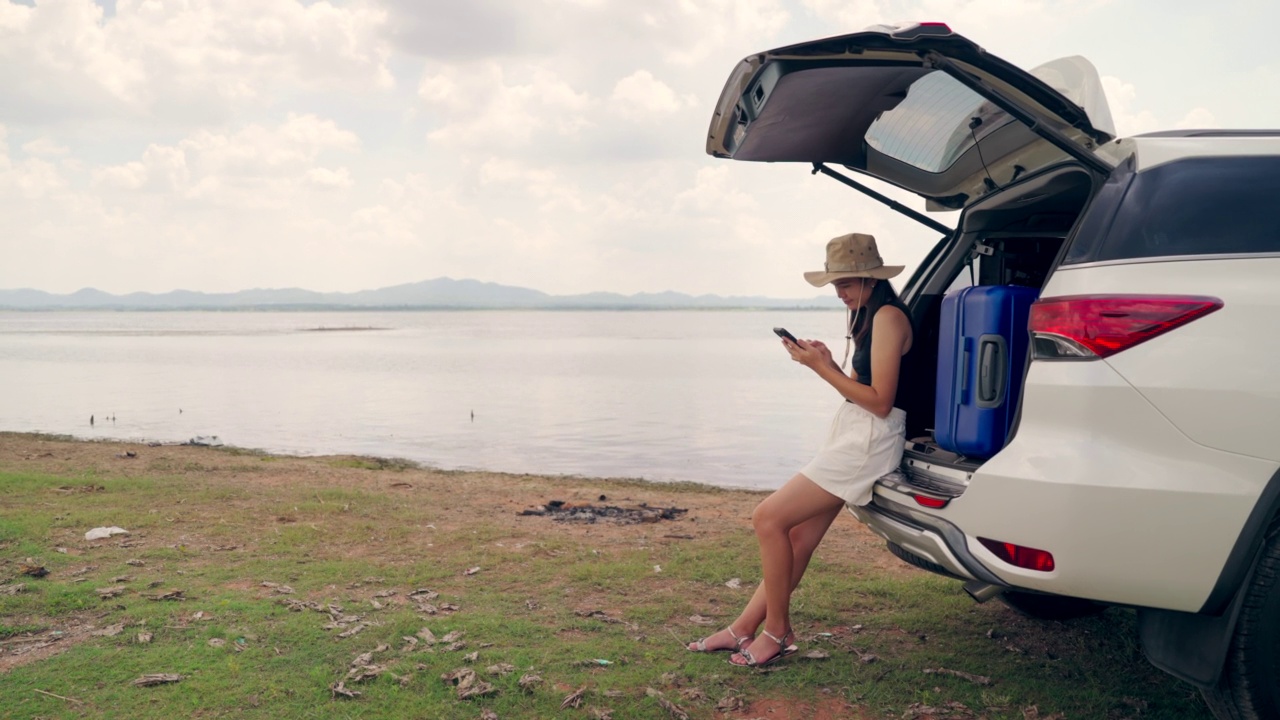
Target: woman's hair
{"points": [[882, 294]]}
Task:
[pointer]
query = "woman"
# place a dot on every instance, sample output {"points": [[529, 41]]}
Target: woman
{"points": [[865, 443]]}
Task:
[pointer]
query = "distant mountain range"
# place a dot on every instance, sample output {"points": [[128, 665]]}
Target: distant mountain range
{"points": [[440, 293]]}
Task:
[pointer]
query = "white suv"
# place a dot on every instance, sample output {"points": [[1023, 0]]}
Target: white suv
{"points": [[1143, 466]]}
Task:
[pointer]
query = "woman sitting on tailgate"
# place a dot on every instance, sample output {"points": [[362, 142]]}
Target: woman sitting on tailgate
{"points": [[865, 443]]}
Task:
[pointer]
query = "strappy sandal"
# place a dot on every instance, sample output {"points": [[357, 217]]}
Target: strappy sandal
{"points": [[784, 650], [738, 640]]}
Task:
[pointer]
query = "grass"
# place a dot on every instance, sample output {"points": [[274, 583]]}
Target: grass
{"points": [[375, 463], [546, 600]]}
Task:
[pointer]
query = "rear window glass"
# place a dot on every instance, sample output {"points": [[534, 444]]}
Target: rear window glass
{"points": [[930, 127], [1197, 206]]}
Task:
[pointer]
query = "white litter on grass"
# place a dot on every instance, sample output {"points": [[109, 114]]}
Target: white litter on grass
{"points": [[734, 583], [104, 532]]}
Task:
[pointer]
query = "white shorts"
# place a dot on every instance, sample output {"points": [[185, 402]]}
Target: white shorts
{"points": [[860, 449]]}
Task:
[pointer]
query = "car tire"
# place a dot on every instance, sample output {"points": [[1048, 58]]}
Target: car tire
{"points": [[1250, 683], [1050, 607]]}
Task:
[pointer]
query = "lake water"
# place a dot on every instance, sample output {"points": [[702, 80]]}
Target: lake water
{"points": [[702, 396]]}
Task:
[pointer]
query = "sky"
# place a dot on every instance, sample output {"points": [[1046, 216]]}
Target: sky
{"points": [[222, 145]]}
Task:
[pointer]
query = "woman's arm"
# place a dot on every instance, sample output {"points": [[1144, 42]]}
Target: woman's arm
{"points": [[890, 337]]}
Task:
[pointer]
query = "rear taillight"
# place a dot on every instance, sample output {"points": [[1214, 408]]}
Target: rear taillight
{"points": [[929, 501], [1096, 326], [1017, 555]]}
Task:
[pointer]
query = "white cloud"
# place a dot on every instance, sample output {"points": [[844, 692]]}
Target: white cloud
{"points": [[852, 15], [716, 24], [126, 176], [326, 178], [57, 54], [214, 210], [314, 134], [1122, 98], [45, 147], [444, 90], [166, 167], [1133, 119], [588, 35], [503, 170], [1198, 118], [565, 82], [715, 191], [254, 166], [61, 59], [483, 109], [558, 144], [545, 192], [31, 179], [975, 19], [411, 224], [258, 151], [642, 92]]}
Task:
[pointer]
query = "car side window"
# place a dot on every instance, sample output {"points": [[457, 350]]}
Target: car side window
{"points": [[1195, 206], [961, 280]]}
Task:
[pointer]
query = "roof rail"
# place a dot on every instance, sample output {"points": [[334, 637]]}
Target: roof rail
{"points": [[1210, 133]]}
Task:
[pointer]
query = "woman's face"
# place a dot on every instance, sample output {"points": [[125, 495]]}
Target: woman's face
{"points": [[854, 292]]}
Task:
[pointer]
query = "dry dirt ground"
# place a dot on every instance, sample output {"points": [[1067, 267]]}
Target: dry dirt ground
{"points": [[470, 497]]}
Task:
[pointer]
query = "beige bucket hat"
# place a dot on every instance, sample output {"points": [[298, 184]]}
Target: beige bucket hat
{"points": [[852, 255]]}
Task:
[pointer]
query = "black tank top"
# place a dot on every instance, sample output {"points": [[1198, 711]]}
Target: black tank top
{"points": [[861, 362]]}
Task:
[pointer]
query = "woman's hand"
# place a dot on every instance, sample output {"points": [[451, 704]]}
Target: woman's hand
{"points": [[810, 353], [822, 347]]}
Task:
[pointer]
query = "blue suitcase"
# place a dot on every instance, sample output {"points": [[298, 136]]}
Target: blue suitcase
{"points": [[982, 356]]}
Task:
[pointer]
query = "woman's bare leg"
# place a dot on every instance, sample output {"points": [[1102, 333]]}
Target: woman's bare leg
{"points": [[789, 525], [805, 538]]}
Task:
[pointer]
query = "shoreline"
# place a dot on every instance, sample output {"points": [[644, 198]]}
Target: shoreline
{"points": [[380, 461]]}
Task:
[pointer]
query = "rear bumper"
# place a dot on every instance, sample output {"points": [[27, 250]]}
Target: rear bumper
{"points": [[923, 535]]}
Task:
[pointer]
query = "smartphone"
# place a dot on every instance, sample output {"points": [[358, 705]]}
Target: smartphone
{"points": [[782, 333]]}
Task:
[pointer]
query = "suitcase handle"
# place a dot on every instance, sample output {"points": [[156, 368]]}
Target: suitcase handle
{"points": [[993, 371]]}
